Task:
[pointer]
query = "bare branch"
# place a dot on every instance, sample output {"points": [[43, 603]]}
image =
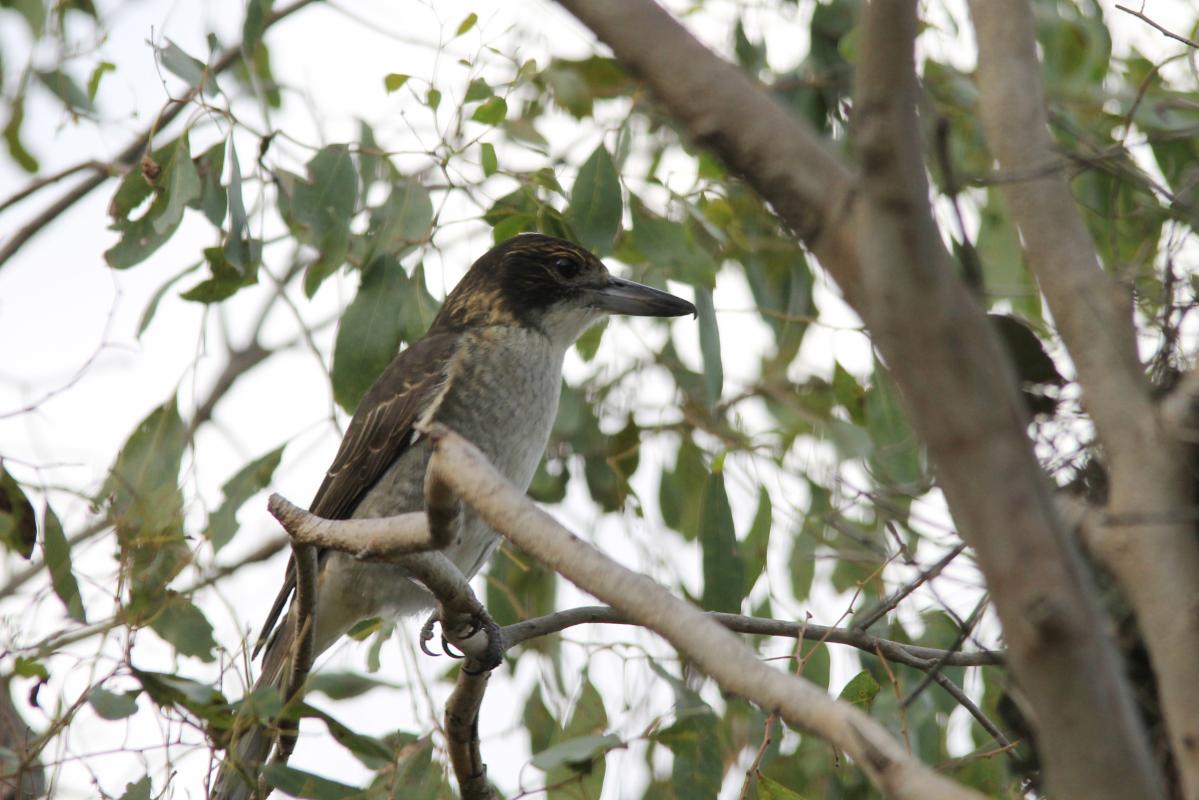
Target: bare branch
{"points": [[715, 650], [909, 654], [865, 620], [1163, 30]]}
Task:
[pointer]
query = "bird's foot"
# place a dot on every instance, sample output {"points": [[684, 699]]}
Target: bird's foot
{"points": [[477, 636]]}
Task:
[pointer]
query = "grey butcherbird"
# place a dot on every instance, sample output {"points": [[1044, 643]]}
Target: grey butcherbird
{"points": [[489, 367]]}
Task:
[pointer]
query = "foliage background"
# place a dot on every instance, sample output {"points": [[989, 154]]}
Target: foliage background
{"points": [[754, 459]]}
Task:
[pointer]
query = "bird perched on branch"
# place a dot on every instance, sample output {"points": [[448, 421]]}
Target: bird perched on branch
{"points": [[490, 368]]}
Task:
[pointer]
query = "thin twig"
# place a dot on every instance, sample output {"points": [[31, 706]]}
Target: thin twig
{"points": [[1164, 31], [872, 616], [965, 702]]}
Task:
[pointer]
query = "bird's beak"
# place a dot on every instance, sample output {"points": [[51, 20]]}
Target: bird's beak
{"points": [[619, 296]]}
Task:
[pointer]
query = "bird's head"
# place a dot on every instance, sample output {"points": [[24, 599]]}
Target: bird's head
{"points": [[551, 285]]}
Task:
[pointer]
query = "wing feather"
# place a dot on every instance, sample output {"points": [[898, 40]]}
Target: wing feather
{"points": [[380, 431]]}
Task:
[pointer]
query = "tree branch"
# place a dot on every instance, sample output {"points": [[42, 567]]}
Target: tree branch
{"points": [[909, 654], [716, 651], [1156, 561], [959, 389]]}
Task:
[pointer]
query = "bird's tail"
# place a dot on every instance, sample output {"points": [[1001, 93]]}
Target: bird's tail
{"points": [[252, 739]]}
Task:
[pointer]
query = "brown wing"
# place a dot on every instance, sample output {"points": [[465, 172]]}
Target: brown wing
{"points": [[379, 433]]}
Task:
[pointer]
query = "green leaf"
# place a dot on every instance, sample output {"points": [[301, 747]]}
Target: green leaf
{"points": [[477, 90], [538, 722], [176, 185], [373, 753], [520, 588], [18, 522], [212, 200], [66, 90], [586, 776], [433, 98], [896, 457], [488, 159], [861, 690], [298, 783], [145, 504], [137, 791], [491, 112], [193, 71], [676, 493], [180, 623], [249, 480], [93, 81], [171, 690], [112, 706], [723, 566], [671, 246], [240, 249], [12, 136], [588, 344], [573, 752], [576, 85], [322, 207], [466, 24], [595, 203], [709, 346], [1004, 272], [773, 790], [56, 551], [403, 221], [370, 332], [698, 767], [344, 685], [252, 29], [757, 541], [30, 668], [416, 775], [225, 280], [394, 81]]}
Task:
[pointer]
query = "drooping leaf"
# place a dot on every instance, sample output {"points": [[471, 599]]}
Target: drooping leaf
{"points": [[112, 705], [249, 480], [520, 588], [298, 783], [193, 71], [585, 775], [757, 541], [571, 752], [773, 790], [240, 250], [370, 332], [723, 566], [344, 685], [64, 87], [698, 767], [18, 522], [488, 159], [252, 29], [145, 503], [12, 135], [669, 245], [709, 346], [895, 457], [212, 200], [402, 222], [57, 554], [174, 183], [595, 203], [321, 208], [183, 625]]}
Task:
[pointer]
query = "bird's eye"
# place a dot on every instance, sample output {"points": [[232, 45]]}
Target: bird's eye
{"points": [[567, 267]]}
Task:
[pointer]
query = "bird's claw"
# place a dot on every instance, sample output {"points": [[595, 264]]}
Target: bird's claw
{"points": [[491, 655], [426, 636]]}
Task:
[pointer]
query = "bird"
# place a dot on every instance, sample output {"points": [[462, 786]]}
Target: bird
{"points": [[490, 368]]}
